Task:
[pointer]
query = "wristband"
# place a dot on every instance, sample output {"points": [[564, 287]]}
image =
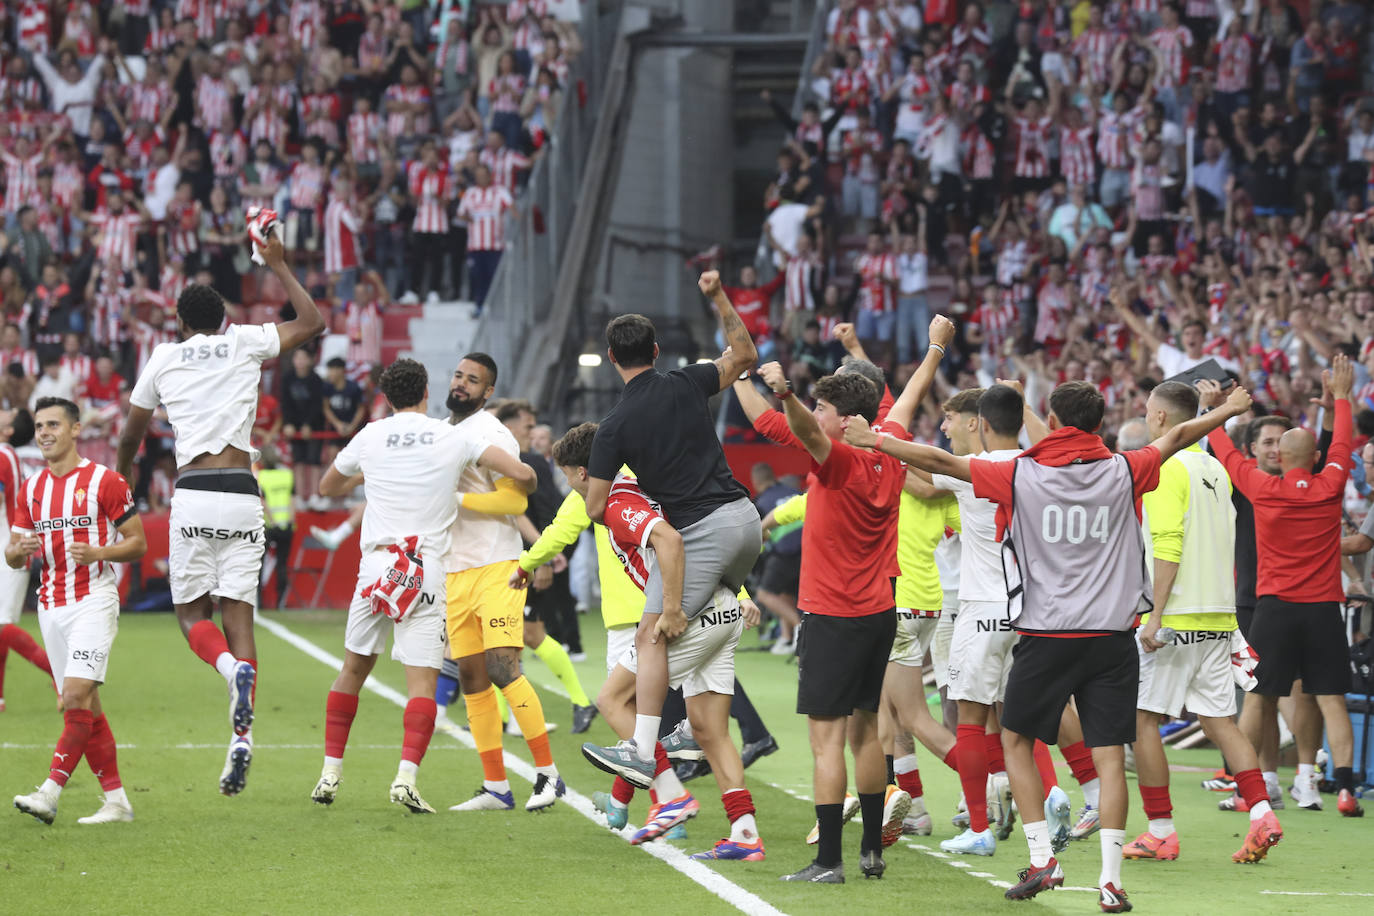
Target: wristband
{"points": [[784, 394], [936, 346]]}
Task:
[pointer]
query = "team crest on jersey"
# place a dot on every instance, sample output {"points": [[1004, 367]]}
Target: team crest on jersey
{"points": [[79, 496]]}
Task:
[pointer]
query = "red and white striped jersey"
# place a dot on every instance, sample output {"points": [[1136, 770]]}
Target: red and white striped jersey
{"points": [[1235, 57], [159, 39], [341, 228], [228, 152], [1147, 189], [15, 93], [875, 294], [308, 185], [798, 292], [267, 125], [504, 163], [118, 238], [963, 96], [997, 322], [68, 184], [363, 130], [1201, 9], [519, 9], [980, 156], [861, 149], [84, 506], [430, 189], [213, 101], [320, 113], [76, 28], [969, 40], [630, 518], [203, 12], [146, 103], [21, 179], [505, 93], [79, 365], [171, 281], [147, 337], [485, 211], [1094, 50], [1012, 258], [414, 95], [140, 149], [269, 176], [1032, 147], [307, 22], [1114, 138], [183, 228], [35, 26], [24, 357], [363, 325], [852, 85], [1173, 45], [1053, 308], [1145, 6], [111, 298], [11, 480], [1076, 161]]}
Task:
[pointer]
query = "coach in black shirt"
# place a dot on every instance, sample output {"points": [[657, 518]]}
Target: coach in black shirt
{"points": [[663, 430]]}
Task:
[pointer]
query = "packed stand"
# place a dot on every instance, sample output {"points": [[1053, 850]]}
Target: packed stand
{"points": [[392, 137]]}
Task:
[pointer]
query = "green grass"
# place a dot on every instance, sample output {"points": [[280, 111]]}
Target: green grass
{"points": [[272, 851]]}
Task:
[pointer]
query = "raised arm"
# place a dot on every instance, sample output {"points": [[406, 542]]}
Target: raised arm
{"points": [[1036, 428], [918, 386], [1185, 434], [922, 457], [740, 353], [751, 399], [308, 322], [1134, 321], [799, 419], [135, 429]]}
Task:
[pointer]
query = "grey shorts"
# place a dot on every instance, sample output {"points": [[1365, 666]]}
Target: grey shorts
{"points": [[721, 549]]}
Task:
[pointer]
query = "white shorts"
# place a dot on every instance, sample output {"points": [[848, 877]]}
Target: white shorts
{"points": [[13, 584], [944, 634], [618, 641], [78, 637], [421, 635], [914, 635], [702, 659], [980, 652], [1193, 671], [215, 545]]}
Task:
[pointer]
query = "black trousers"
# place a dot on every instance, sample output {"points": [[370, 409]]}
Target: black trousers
{"points": [[751, 727], [279, 540]]}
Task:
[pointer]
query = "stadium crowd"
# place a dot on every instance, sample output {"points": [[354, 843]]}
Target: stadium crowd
{"points": [[392, 136]]}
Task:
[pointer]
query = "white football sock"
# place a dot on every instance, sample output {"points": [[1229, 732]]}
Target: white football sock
{"points": [[646, 736], [117, 797], [1161, 827], [1112, 843], [334, 765], [1092, 792], [1038, 839], [668, 786], [225, 665], [1260, 810], [49, 787], [744, 829], [1271, 782], [500, 787], [407, 770]]}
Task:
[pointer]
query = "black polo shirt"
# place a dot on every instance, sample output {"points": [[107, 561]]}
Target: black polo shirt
{"points": [[663, 429]]}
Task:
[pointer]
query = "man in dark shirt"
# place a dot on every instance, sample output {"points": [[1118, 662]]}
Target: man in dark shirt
{"points": [[302, 412], [343, 400], [663, 430], [1272, 177]]}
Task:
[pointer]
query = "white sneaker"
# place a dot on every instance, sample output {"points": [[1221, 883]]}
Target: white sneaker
{"points": [[969, 843], [111, 812], [851, 808], [918, 825], [513, 727], [1057, 811], [42, 805], [547, 790], [1089, 820], [329, 538], [485, 799], [1000, 803], [783, 647], [1305, 793], [405, 794], [234, 777], [326, 788], [960, 818]]}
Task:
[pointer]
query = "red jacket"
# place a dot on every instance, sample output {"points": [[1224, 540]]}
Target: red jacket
{"points": [[1297, 518], [751, 302]]}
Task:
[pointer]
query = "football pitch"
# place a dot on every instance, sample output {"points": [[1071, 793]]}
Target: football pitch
{"points": [[271, 850]]}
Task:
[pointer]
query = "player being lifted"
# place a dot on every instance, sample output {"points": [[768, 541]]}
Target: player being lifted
{"points": [[69, 515], [411, 464], [208, 384]]}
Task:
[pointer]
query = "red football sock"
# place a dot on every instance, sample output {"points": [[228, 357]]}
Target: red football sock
{"points": [[622, 791], [1157, 803], [1080, 761], [973, 774], [738, 803], [76, 734], [996, 762], [910, 783], [339, 710], [17, 638], [253, 694], [951, 759], [1048, 780], [1250, 785], [101, 755], [207, 641], [419, 725], [661, 761]]}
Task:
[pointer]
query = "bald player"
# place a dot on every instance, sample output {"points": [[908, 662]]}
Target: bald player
{"points": [[1297, 629]]}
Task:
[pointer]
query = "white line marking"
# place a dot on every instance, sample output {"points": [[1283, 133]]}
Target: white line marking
{"points": [[982, 874], [741, 899], [1317, 893]]}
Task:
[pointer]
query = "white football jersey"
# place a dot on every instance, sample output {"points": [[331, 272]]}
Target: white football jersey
{"points": [[209, 385], [410, 465], [980, 553], [478, 539]]}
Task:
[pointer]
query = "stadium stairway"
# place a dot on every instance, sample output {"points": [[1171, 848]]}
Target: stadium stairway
{"points": [[436, 336]]}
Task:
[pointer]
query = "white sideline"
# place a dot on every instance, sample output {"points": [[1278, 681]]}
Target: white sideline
{"points": [[741, 899]]}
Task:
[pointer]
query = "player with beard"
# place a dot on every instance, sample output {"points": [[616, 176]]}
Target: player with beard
{"points": [[485, 616]]}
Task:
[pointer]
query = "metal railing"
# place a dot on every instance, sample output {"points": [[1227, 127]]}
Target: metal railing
{"points": [[540, 233]]}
